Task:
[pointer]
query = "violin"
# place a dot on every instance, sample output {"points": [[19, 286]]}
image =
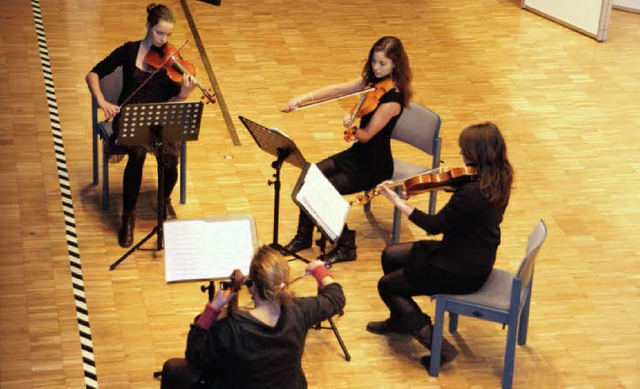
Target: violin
{"points": [[441, 178], [236, 280], [168, 58], [367, 104]]}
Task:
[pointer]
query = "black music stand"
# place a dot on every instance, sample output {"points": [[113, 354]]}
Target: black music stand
{"points": [[281, 146], [274, 142], [152, 124]]}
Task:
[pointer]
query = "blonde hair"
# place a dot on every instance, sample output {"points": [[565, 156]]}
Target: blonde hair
{"points": [[269, 271]]}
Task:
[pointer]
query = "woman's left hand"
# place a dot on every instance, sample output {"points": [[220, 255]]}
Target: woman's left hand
{"points": [[188, 84], [221, 299]]}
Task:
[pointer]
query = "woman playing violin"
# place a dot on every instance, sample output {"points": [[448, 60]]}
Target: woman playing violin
{"points": [[261, 348], [470, 226], [368, 161], [160, 88]]}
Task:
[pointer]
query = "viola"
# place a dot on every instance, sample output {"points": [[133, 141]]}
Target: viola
{"points": [[443, 178], [236, 280], [168, 58], [367, 104]]}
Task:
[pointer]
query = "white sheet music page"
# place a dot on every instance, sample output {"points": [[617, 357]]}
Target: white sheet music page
{"points": [[202, 249], [323, 201]]}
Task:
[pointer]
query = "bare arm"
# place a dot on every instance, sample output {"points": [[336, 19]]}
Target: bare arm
{"points": [[93, 81], [381, 117], [326, 92]]}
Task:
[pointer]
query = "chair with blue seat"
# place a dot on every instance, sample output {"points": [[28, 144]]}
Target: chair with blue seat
{"points": [[419, 127], [504, 298], [111, 86]]}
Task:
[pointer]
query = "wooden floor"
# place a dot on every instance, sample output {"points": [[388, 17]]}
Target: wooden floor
{"points": [[568, 107]]}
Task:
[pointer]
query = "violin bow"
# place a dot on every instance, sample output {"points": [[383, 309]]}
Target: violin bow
{"points": [[318, 102]]}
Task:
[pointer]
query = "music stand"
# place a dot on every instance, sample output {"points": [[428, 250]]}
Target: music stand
{"points": [[152, 124], [274, 142]]}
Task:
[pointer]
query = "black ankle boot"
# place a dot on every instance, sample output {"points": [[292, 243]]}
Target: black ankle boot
{"points": [[127, 225], [169, 211], [304, 236], [345, 249]]}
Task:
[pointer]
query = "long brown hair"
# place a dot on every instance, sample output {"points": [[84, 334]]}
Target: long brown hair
{"points": [[270, 273], [157, 12], [484, 146], [401, 73]]}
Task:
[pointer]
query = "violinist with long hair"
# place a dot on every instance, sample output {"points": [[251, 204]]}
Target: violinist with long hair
{"points": [[368, 161], [462, 260], [160, 88], [262, 347]]}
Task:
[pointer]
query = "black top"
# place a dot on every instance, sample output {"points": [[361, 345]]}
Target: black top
{"points": [[240, 351], [368, 164], [470, 228], [160, 88]]}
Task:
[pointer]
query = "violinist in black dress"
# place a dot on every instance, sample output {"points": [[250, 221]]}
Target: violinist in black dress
{"points": [[159, 88], [368, 161], [462, 260]]}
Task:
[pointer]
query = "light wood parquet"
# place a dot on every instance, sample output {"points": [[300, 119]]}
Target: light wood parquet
{"points": [[568, 107]]}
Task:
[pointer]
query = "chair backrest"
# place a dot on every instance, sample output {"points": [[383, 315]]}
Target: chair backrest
{"points": [[111, 85], [420, 127], [525, 271]]}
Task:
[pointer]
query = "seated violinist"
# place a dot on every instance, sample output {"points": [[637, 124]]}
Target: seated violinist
{"points": [[462, 261], [137, 87], [261, 348]]}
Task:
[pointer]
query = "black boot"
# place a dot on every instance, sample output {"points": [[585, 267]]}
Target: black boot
{"points": [[303, 237], [345, 249], [169, 211], [125, 233]]}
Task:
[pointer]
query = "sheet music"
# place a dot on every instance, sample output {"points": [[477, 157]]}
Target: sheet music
{"points": [[323, 202], [205, 249]]}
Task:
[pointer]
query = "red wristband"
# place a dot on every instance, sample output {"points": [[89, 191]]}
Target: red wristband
{"points": [[207, 317], [320, 272]]}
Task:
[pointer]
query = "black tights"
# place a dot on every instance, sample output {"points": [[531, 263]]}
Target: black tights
{"points": [[397, 292], [132, 179]]}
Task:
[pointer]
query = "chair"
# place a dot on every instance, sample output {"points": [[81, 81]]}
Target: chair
{"points": [[505, 298], [419, 127], [111, 86]]}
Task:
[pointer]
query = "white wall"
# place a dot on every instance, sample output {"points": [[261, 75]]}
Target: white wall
{"points": [[587, 16], [628, 5]]}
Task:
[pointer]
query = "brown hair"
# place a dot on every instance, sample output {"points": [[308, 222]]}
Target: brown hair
{"points": [[485, 147], [157, 12], [401, 73], [269, 271]]}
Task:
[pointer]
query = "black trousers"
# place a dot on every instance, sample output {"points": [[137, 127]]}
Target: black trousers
{"points": [[132, 179], [397, 292]]}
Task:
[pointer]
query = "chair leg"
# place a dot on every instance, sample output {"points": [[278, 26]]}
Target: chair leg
{"points": [[509, 356], [524, 322], [94, 147], [105, 178], [436, 340], [397, 219], [183, 172], [453, 322]]}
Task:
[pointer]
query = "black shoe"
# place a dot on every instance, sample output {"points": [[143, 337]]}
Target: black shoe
{"points": [[384, 327], [339, 254], [125, 232], [169, 211], [299, 242]]}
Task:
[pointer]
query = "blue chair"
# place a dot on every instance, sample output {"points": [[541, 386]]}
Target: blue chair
{"points": [[505, 298], [111, 86], [419, 127]]}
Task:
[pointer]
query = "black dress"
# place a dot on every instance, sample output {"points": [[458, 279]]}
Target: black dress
{"points": [[368, 164]]}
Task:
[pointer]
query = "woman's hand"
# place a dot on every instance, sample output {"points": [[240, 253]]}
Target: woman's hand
{"points": [[291, 105], [110, 110], [188, 84], [221, 299]]}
